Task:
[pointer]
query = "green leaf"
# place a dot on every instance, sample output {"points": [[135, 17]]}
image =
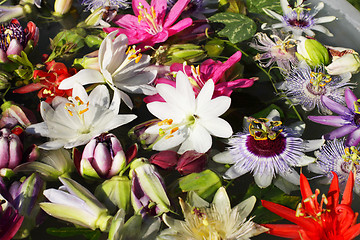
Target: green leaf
{"points": [[237, 28], [72, 231], [272, 194], [256, 6]]}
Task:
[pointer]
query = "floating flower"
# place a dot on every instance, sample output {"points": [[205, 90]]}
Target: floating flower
{"points": [[268, 149], [298, 19], [334, 156], [216, 220], [328, 220], [187, 120], [73, 122], [121, 67], [348, 121], [149, 25], [95, 4], [14, 38], [306, 87], [47, 82], [281, 51], [208, 70], [74, 203]]}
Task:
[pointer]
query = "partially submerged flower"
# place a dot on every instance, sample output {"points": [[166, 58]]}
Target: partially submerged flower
{"points": [[281, 51], [348, 121], [121, 66], [267, 149], [73, 122], [306, 86], [328, 220], [15, 38], [187, 120], [335, 157], [150, 25], [299, 18], [216, 220], [75, 204]]}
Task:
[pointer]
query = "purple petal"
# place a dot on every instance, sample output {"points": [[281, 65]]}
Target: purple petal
{"points": [[127, 21], [4, 153], [350, 98], [353, 139], [102, 159], [160, 8], [334, 106], [175, 12], [14, 47], [335, 121], [340, 132]]}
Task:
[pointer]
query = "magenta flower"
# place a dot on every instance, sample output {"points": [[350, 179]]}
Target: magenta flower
{"points": [[209, 69], [348, 121], [149, 25]]}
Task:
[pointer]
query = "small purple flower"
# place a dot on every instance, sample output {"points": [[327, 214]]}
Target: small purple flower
{"points": [[306, 86], [11, 149], [348, 121], [267, 149], [334, 156]]}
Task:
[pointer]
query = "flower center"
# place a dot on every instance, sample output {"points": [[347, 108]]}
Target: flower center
{"points": [[150, 18], [10, 32], [265, 139], [76, 107], [133, 55], [318, 81], [310, 208], [205, 227], [298, 19], [351, 160]]}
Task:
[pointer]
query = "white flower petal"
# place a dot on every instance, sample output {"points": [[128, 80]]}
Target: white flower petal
{"points": [[214, 108], [325, 19], [224, 157], [199, 140], [322, 29], [245, 207], [83, 77], [217, 127], [263, 180], [235, 171], [205, 95], [100, 96], [221, 201]]}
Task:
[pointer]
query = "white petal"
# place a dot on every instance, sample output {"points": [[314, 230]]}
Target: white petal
{"points": [[166, 144], [245, 207], [234, 172], [305, 160], [325, 19], [315, 168], [322, 29], [222, 202], [53, 145], [317, 8], [285, 186], [263, 180], [285, 6], [196, 201], [214, 108], [83, 77], [311, 145], [274, 115], [79, 91], [163, 110], [291, 176], [99, 96], [126, 99], [199, 140], [218, 127], [205, 94], [273, 14], [224, 157], [64, 198]]}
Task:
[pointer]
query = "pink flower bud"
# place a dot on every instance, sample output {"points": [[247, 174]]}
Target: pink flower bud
{"points": [[11, 149], [191, 162], [165, 159]]}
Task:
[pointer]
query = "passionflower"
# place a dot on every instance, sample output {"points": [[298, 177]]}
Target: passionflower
{"points": [[187, 120], [334, 156], [348, 121], [299, 18], [306, 86], [149, 25], [73, 122], [216, 220], [325, 221], [275, 49], [14, 38], [268, 149], [121, 67]]}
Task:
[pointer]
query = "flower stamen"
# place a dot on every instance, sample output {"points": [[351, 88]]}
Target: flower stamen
{"points": [[149, 18]]}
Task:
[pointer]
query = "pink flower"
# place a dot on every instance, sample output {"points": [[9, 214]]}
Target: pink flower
{"points": [[209, 69], [149, 25]]}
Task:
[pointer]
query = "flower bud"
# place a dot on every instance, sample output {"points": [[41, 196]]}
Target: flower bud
{"points": [[74, 203], [89, 61], [100, 17], [188, 52], [214, 47], [191, 162], [4, 80], [148, 195], [138, 133], [348, 63], [103, 157], [11, 149], [115, 193], [21, 115], [62, 7], [165, 159], [313, 52], [27, 196]]}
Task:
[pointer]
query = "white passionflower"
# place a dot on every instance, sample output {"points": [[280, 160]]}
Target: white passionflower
{"points": [[216, 220], [188, 121], [298, 19], [121, 67], [267, 149], [73, 122]]}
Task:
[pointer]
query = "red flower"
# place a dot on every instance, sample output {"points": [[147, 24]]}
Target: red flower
{"points": [[314, 221], [49, 81]]}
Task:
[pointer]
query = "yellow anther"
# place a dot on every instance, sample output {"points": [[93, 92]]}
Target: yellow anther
{"points": [[69, 112], [138, 58], [129, 48], [169, 136], [161, 132], [174, 130], [80, 102], [165, 122], [83, 111]]}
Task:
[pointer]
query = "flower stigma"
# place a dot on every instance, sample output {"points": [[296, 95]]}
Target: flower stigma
{"points": [[260, 130]]}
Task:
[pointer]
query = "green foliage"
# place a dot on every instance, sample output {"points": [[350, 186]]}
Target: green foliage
{"points": [[74, 231], [256, 6], [237, 27]]}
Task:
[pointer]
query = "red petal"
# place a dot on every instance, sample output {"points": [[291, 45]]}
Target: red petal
{"points": [[28, 88], [347, 196], [305, 187], [284, 230], [352, 232], [333, 193], [290, 215]]}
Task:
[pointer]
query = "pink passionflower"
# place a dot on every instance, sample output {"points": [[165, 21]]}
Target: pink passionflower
{"points": [[150, 25], [209, 69]]}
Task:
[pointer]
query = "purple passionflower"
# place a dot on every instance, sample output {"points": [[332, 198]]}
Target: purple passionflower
{"points": [[217, 71], [149, 25], [348, 121]]}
